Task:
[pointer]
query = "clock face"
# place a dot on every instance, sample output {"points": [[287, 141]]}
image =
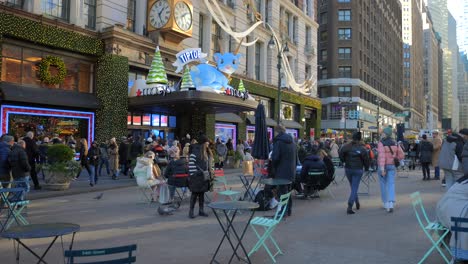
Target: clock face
{"points": [[183, 16], [160, 13]]}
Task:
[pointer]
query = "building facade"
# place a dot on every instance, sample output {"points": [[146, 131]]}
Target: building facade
{"points": [[360, 61], [463, 89], [110, 47], [453, 57], [432, 47]]}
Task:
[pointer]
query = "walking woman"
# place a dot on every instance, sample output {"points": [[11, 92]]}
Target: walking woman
{"points": [[388, 151], [113, 152], [84, 159], [200, 170], [426, 157], [354, 156]]}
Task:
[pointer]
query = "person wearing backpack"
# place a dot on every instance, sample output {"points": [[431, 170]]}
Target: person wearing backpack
{"points": [[355, 157], [389, 155]]}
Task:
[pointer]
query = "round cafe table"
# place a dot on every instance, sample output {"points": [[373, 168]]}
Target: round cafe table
{"points": [[228, 207], [32, 231]]}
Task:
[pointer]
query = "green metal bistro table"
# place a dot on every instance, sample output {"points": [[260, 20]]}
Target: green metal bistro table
{"points": [[32, 231], [226, 208]]}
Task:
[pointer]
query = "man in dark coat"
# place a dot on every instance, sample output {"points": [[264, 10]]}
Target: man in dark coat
{"points": [[426, 149], [284, 159], [32, 150], [464, 155], [20, 168], [5, 146], [312, 163], [123, 155]]}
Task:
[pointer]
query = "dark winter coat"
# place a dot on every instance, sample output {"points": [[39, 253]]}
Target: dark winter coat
{"points": [[312, 163], [284, 157], [32, 150], [451, 147], [197, 183], [174, 167], [4, 153], [136, 149], [93, 156], [330, 167], [425, 151], [123, 153], [465, 158], [43, 152], [19, 164], [355, 156], [83, 156]]}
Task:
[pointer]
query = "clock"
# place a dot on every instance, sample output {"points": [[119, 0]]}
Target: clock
{"points": [[183, 16], [160, 13]]}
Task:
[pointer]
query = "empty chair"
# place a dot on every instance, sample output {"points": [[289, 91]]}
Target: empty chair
{"points": [[85, 254]]}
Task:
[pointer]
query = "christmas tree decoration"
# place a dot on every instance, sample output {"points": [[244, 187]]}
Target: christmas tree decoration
{"points": [[187, 81], [157, 73], [241, 87]]}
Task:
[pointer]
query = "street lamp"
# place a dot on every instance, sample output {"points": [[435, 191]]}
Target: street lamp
{"points": [[378, 101], [345, 102], [281, 50]]}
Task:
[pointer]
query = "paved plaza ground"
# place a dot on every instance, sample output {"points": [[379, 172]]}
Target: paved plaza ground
{"points": [[318, 232]]}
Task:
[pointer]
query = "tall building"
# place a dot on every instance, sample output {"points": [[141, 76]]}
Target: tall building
{"points": [[440, 17], [459, 10], [102, 50], [453, 57], [413, 84], [431, 71], [463, 88], [360, 61]]}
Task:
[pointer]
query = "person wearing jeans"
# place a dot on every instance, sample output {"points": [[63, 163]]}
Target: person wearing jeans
{"points": [[426, 150], [23, 182], [20, 168], [355, 157], [388, 152]]}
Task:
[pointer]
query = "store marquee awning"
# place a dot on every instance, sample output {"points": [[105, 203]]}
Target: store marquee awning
{"points": [[188, 101], [269, 121], [228, 117], [291, 124], [53, 97]]}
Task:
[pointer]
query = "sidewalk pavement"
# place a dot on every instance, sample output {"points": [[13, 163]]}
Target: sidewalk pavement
{"points": [[81, 185]]}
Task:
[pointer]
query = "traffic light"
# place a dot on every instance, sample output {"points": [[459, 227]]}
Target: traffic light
{"points": [[362, 124], [358, 124]]}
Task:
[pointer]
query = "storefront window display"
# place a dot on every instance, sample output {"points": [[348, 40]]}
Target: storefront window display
{"points": [[225, 132], [18, 120], [251, 133]]}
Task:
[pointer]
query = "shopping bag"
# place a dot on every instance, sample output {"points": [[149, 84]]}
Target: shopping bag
{"points": [[456, 163], [164, 194], [247, 167]]}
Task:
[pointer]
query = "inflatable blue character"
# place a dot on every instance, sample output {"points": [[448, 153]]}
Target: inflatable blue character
{"points": [[205, 75]]}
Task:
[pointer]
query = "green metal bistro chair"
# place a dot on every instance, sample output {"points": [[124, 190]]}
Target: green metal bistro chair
{"points": [[15, 203], [72, 254], [431, 229], [269, 226], [222, 188], [146, 193], [318, 175]]}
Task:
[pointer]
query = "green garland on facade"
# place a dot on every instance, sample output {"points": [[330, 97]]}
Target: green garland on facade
{"points": [[44, 70], [35, 31], [112, 91]]}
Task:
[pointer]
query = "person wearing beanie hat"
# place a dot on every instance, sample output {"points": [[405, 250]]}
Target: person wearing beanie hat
{"points": [[388, 153], [356, 159], [201, 174]]}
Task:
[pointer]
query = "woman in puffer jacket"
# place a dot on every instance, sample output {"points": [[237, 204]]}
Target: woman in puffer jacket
{"points": [[387, 169], [148, 173]]}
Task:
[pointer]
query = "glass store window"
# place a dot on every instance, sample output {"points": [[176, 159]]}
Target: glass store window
{"points": [[20, 65], [288, 111]]}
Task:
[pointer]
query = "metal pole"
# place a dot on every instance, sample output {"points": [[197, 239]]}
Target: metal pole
{"points": [[279, 87], [378, 119], [345, 119]]}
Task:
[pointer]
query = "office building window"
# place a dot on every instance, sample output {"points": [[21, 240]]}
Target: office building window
{"points": [[131, 12], [344, 1], [344, 72], [201, 21], [15, 3], [344, 91], [324, 74], [344, 15], [344, 33], [89, 13], [323, 18], [294, 31], [344, 53], [267, 11], [308, 71], [309, 8], [324, 36], [215, 38], [308, 38], [324, 55], [258, 48], [56, 8]]}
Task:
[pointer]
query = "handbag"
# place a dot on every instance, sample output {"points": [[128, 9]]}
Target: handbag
{"points": [[456, 163], [396, 161], [205, 173]]}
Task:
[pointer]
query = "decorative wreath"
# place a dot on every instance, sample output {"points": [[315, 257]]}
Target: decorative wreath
{"points": [[44, 70]]}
